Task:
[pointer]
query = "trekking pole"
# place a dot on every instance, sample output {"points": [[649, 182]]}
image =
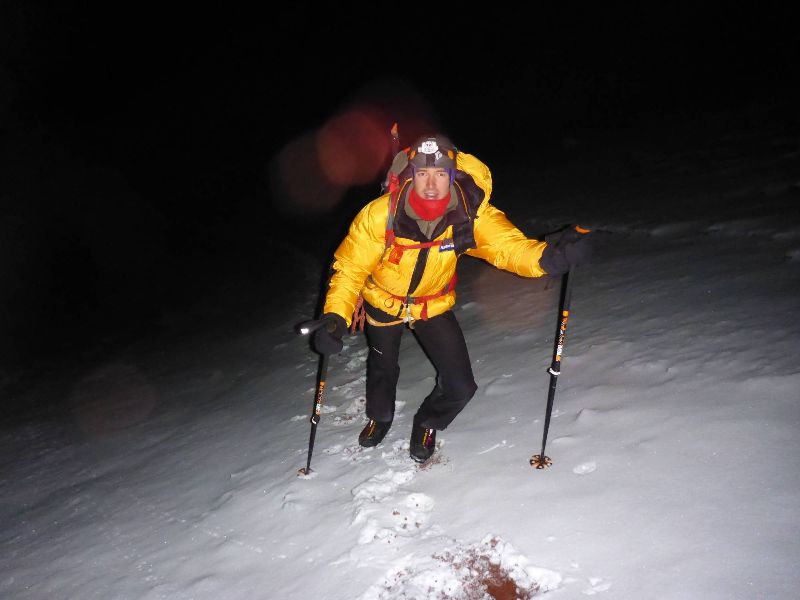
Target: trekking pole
{"points": [[540, 461], [306, 328]]}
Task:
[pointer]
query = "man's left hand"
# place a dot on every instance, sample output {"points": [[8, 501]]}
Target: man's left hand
{"points": [[567, 248]]}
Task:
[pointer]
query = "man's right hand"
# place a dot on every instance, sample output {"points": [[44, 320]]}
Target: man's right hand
{"points": [[328, 338]]}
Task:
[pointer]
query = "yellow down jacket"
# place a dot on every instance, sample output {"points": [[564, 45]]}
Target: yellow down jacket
{"points": [[364, 265]]}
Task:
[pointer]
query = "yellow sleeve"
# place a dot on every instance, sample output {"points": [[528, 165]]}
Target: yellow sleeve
{"points": [[356, 258], [501, 244]]}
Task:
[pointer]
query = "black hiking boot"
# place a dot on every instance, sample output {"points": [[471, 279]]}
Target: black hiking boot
{"points": [[373, 433], [423, 443]]}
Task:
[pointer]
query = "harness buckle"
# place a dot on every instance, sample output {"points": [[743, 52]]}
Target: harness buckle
{"points": [[408, 318]]}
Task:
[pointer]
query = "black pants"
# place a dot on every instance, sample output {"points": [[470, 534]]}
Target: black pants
{"points": [[443, 342]]}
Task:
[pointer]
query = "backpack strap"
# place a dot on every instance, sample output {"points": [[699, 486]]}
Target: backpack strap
{"points": [[394, 199]]}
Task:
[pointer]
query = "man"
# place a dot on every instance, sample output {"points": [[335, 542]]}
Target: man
{"points": [[400, 255]]}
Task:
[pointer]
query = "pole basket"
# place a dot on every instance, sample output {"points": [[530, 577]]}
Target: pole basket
{"points": [[538, 461], [306, 473]]}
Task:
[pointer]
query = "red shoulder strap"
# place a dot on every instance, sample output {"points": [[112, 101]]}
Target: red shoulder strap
{"points": [[394, 195]]}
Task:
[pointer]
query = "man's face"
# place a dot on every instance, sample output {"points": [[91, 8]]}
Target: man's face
{"points": [[432, 183]]}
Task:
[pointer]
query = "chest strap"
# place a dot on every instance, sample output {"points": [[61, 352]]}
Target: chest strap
{"points": [[409, 300], [396, 255]]}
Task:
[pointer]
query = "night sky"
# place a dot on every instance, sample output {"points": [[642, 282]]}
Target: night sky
{"points": [[140, 169]]}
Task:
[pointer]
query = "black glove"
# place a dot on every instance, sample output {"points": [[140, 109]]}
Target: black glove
{"points": [[328, 338], [566, 248]]}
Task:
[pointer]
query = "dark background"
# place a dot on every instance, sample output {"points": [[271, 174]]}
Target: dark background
{"points": [[142, 145]]}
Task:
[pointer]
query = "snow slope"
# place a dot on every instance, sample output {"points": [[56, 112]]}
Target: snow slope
{"points": [[170, 470]]}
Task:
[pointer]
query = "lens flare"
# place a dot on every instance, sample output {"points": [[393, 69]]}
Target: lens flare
{"points": [[299, 186], [353, 147]]}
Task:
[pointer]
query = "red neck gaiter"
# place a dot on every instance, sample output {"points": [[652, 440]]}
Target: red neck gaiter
{"points": [[427, 209]]}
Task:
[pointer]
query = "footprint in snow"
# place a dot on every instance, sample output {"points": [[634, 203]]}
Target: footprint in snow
{"points": [[343, 420], [294, 501], [384, 514], [325, 409], [397, 456], [502, 386], [357, 362], [584, 468], [587, 416], [380, 515], [406, 519], [502, 444], [596, 585], [356, 453], [381, 486], [351, 387]]}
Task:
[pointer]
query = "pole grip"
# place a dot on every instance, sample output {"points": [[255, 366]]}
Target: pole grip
{"points": [[312, 325]]}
